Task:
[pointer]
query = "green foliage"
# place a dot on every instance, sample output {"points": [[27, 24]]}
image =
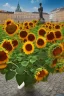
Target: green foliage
{"points": [[10, 74], [20, 78]]}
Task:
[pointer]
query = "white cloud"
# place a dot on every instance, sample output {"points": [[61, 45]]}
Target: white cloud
{"points": [[35, 8], [8, 7]]}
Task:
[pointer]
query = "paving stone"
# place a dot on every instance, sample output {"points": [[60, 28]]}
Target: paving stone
{"points": [[54, 85]]}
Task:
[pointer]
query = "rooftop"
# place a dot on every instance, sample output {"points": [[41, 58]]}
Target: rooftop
{"points": [[59, 9], [43, 13]]}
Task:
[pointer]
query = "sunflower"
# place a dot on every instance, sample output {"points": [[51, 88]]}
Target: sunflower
{"points": [[31, 24], [55, 50], [54, 62], [25, 23], [58, 35], [31, 37], [23, 34], [8, 22], [62, 25], [14, 43], [57, 26], [7, 44], [35, 21], [50, 27], [47, 26], [3, 56], [28, 47], [48, 23], [50, 36], [25, 40], [2, 66], [26, 27], [39, 75], [41, 32], [11, 29], [41, 42], [62, 45], [58, 50], [20, 26]]}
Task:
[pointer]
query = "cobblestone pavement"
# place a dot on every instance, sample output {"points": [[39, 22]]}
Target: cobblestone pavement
{"points": [[54, 85]]}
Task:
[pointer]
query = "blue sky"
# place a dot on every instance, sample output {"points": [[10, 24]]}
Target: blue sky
{"points": [[31, 5]]}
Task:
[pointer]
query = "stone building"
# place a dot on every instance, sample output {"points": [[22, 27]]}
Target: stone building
{"points": [[57, 15], [19, 16]]}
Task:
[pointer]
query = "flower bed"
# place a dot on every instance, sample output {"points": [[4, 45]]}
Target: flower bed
{"points": [[30, 52]]}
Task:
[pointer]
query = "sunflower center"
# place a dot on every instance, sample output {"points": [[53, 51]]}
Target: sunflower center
{"points": [[35, 21], [50, 27], [57, 51], [3, 56], [54, 61], [24, 40], [31, 24], [23, 34], [8, 22], [31, 37], [42, 74], [42, 32], [50, 36], [11, 28], [28, 47], [20, 28], [26, 24], [40, 42], [7, 46], [58, 34], [46, 26], [57, 27], [15, 42], [27, 27]]}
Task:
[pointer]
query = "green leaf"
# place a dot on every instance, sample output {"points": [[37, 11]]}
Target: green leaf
{"points": [[33, 59], [20, 78], [3, 71], [9, 75], [50, 69], [20, 70], [29, 80], [32, 70], [24, 63]]}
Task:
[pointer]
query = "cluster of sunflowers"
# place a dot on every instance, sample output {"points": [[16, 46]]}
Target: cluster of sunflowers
{"points": [[30, 51]]}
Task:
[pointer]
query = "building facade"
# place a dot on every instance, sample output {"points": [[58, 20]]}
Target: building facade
{"points": [[19, 16], [57, 15]]}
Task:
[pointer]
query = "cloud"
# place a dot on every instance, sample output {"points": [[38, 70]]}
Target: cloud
{"points": [[35, 8], [8, 7]]}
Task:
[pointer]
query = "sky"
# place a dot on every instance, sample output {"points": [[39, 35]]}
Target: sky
{"points": [[31, 5]]}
